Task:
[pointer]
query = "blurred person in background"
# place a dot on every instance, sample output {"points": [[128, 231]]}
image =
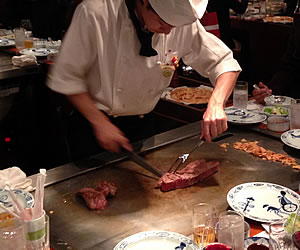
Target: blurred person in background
{"points": [[222, 7], [287, 80], [111, 63]]}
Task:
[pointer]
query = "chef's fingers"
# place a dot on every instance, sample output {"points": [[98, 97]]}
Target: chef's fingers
{"points": [[206, 130], [213, 128]]}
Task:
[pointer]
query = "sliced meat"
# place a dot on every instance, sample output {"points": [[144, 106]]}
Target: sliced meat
{"points": [[93, 199], [194, 172]]}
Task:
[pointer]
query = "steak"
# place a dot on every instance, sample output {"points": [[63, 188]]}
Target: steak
{"points": [[194, 172], [96, 198]]}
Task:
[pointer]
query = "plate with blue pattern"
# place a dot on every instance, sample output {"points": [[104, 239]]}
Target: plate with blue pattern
{"points": [[291, 138], [256, 240], [25, 198], [239, 116], [158, 240], [6, 42], [38, 51], [263, 202]]}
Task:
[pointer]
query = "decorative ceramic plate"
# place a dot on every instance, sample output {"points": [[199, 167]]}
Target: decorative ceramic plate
{"points": [[263, 202], [38, 51], [256, 240], [158, 240], [188, 95], [6, 42], [238, 116], [270, 100], [291, 138], [25, 198]]}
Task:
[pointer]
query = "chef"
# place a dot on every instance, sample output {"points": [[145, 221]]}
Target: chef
{"points": [[118, 56]]}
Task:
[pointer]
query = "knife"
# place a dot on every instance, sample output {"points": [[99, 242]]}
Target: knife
{"points": [[143, 163]]}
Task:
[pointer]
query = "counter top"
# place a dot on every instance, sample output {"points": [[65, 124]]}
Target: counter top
{"points": [[138, 205]]}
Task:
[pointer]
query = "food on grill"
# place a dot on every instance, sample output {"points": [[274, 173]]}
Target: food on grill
{"points": [[278, 19], [224, 145], [191, 95], [96, 198], [254, 149], [194, 172]]}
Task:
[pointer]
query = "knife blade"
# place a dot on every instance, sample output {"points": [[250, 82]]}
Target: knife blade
{"points": [[143, 163]]}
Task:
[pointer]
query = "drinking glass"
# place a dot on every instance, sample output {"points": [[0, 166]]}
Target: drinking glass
{"points": [[295, 114], [279, 238], [240, 95], [28, 41], [19, 38], [204, 216], [230, 229], [13, 237]]}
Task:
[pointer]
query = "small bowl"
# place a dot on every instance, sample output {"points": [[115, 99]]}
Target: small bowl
{"points": [[278, 123], [276, 107], [269, 100]]}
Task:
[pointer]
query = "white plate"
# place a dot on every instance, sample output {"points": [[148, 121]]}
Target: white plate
{"points": [[260, 201], [25, 198], [291, 138], [258, 240], [238, 116], [269, 100], [158, 240], [38, 51], [6, 42]]}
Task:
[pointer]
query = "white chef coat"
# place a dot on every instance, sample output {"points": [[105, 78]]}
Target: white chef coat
{"points": [[100, 55]]}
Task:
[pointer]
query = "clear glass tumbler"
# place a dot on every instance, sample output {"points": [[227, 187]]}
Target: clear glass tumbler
{"points": [[231, 229], [295, 114], [19, 38], [204, 216], [13, 236], [240, 95]]}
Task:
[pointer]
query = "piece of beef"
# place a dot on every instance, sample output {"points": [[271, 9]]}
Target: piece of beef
{"points": [[96, 198], [107, 188], [93, 199], [194, 172]]}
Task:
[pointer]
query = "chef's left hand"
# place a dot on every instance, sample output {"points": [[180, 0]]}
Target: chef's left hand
{"points": [[214, 122]]}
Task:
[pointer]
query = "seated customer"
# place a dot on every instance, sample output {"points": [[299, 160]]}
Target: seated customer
{"points": [[287, 79]]}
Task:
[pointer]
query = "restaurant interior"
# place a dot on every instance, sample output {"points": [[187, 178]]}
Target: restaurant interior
{"points": [[37, 132]]}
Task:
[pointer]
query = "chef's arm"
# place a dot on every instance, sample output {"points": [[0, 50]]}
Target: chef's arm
{"points": [[214, 119], [108, 135]]}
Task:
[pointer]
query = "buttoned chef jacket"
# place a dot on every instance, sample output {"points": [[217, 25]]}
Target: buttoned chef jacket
{"points": [[100, 55]]}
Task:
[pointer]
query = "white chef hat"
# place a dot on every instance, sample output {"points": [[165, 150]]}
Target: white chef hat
{"points": [[179, 12]]}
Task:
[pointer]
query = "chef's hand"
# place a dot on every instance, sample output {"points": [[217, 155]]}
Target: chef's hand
{"points": [[214, 122], [110, 137], [260, 94]]}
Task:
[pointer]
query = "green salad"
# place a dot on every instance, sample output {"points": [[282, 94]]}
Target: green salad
{"points": [[290, 222], [276, 110]]}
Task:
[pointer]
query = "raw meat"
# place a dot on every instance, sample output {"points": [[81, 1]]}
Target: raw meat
{"points": [[96, 198], [194, 172]]}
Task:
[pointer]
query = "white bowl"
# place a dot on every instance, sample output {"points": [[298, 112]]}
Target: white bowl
{"points": [[270, 101], [278, 123], [276, 108]]}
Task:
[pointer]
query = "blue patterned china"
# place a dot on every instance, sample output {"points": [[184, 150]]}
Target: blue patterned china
{"points": [[263, 202], [6, 42], [158, 240], [38, 51], [238, 116], [256, 240], [291, 138], [25, 198]]}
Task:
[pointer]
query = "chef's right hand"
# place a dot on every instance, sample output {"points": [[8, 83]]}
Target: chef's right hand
{"points": [[260, 94], [110, 137]]}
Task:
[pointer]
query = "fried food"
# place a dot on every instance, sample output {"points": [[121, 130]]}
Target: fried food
{"points": [[191, 95]]}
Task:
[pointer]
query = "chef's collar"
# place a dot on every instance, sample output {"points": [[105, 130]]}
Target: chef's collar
{"points": [[145, 36]]}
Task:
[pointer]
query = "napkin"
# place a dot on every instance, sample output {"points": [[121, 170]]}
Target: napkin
{"points": [[15, 178], [24, 60]]}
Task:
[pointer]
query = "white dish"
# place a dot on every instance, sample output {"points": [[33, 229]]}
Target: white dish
{"points": [[269, 100], [25, 198], [263, 202], [6, 42], [276, 108], [291, 138], [158, 240], [238, 116], [38, 51], [258, 240], [278, 123]]}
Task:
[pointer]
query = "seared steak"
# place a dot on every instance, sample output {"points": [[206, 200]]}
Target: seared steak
{"points": [[96, 198], [194, 172]]}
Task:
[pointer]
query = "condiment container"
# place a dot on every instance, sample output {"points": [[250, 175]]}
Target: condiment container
{"points": [[278, 124]]}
